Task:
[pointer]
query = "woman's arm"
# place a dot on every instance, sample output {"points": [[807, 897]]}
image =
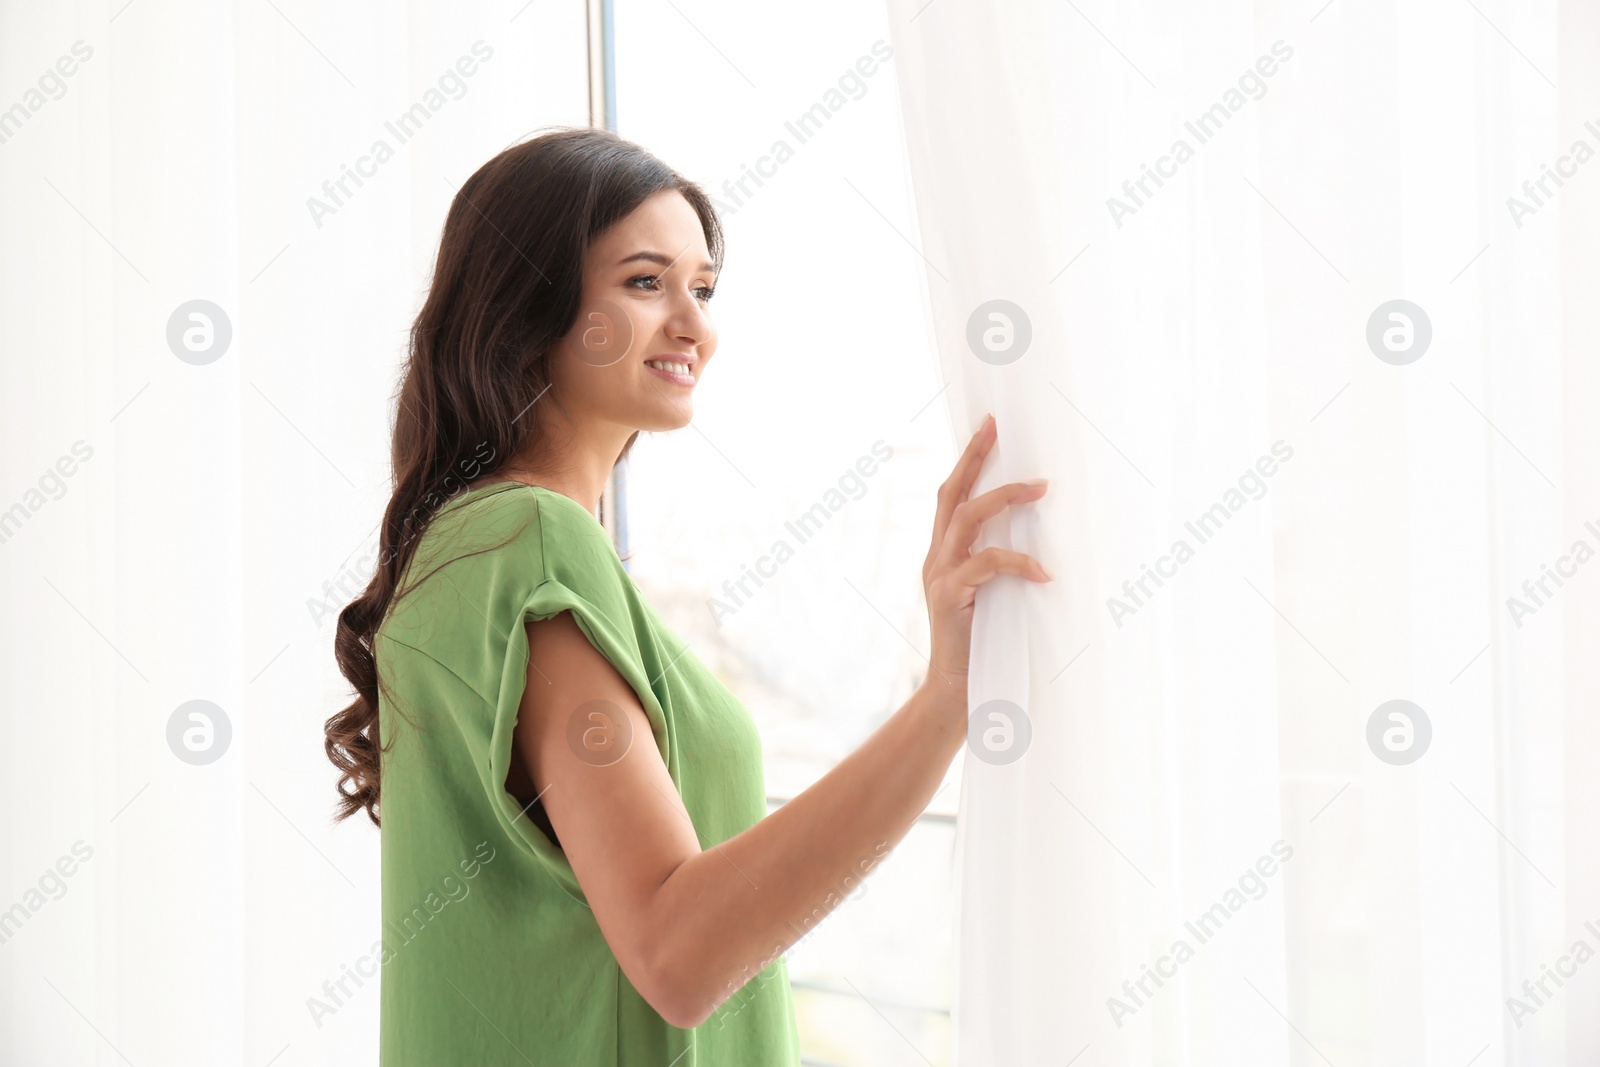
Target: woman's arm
{"points": [[728, 912], [690, 927]]}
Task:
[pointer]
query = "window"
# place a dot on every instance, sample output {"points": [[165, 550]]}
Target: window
{"points": [[783, 533]]}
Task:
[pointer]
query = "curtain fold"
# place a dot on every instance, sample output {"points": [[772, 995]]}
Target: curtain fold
{"points": [[1294, 307]]}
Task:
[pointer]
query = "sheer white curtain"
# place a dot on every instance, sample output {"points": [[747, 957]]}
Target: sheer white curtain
{"points": [[1298, 317], [184, 503]]}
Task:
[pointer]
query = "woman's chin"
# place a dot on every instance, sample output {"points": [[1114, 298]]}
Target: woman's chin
{"points": [[672, 415]]}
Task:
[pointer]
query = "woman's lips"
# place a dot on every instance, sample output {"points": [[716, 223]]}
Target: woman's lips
{"points": [[675, 379]]}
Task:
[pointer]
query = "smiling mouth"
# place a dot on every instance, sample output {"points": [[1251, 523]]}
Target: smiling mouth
{"points": [[672, 370]]}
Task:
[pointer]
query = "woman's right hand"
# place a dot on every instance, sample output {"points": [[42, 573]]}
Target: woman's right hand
{"points": [[952, 574]]}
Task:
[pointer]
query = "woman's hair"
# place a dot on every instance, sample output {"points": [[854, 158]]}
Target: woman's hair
{"points": [[506, 287]]}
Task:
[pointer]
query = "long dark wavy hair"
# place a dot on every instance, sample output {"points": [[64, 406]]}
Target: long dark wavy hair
{"points": [[506, 287]]}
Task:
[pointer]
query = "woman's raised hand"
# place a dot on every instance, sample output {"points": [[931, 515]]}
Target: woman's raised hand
{"points": [[952, 574]]}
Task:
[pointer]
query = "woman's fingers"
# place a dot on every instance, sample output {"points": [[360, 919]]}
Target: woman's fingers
{"points": [[992, 561], [970, 515], [955, 488], [951, 574]]}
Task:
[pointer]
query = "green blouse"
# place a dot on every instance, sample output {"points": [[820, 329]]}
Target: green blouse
{"points": [[490, 953]]}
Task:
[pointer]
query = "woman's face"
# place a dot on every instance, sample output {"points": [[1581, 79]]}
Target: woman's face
{"points": [[644, 333]]}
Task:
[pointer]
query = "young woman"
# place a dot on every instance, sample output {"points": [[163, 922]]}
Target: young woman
{"points": [[578, 867]]}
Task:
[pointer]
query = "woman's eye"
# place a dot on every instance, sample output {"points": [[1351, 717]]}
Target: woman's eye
{"points": [[706, 291]]}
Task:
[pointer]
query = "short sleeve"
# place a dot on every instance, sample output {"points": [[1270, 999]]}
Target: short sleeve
{"points": [[570, 566]]}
